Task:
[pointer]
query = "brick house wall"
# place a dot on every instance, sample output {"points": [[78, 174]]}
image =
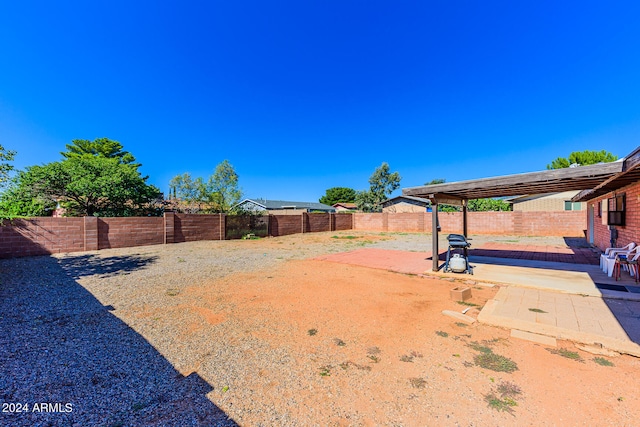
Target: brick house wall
{"points": [[631, 230]]}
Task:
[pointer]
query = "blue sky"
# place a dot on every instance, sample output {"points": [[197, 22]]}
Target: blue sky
{"points": [[301, 96]]}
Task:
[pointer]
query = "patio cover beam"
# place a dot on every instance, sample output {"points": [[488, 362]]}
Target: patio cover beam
{"points": [[550, 181]]}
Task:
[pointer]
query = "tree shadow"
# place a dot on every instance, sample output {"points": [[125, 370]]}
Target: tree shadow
{"points": [[60, 346], [78, 266]]}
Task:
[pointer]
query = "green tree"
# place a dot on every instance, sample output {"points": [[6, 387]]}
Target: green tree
{"points": [[6, 156], [19, 199], [100, 147], [188, 194], [335, 195], [220, 193], [222, 188], [436, 181], [484, 205], [583, 158], [93, 185], [381, 184]]}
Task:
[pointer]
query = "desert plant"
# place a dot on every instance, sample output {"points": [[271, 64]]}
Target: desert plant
{"points": [[495, 362], [602, 361], [573, 355]]}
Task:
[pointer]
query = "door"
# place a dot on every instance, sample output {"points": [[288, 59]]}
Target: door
{"points": [[590, 221]]}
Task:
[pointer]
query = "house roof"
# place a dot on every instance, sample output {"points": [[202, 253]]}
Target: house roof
{"points": [[549, 181], [630, 173], [419, 200], [347, 205], [283, 204]]}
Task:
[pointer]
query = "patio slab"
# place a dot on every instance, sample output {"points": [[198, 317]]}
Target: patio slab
{"points": [[611, 324]]}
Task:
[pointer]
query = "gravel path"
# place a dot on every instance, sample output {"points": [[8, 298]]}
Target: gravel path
{"points": [[80, 332]]}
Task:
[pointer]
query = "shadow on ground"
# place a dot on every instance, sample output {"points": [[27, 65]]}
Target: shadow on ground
{"points": [[60, 345]]}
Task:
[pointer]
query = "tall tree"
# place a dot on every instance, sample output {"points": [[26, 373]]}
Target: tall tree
{"points": [[335, 195], [220, 193], [6, 156], [583, 158], [222, 188], [381, 184], [93, 185], [100, 147]]}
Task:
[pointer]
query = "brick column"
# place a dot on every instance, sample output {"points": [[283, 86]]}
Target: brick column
{"points": [[90, 233], [169, 227]]}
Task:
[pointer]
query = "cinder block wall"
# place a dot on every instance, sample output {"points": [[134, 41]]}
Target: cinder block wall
{"points": [[569, 223], [128, 232], [40, 236]]}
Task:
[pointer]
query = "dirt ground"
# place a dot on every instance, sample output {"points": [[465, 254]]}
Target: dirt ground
{"points": [[320, 343]]}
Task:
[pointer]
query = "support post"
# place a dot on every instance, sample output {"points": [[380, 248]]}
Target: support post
{"points": [[434, 237], [464, 218]]}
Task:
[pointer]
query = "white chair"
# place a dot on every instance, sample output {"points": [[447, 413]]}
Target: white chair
{"points": [[610, 253], [611, 261]]}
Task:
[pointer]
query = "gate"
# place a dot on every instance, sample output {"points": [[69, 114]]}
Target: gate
{"points": [[239, 226]]}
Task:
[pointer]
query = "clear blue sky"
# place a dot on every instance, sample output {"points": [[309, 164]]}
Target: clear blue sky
{"points": [[305, 95]]}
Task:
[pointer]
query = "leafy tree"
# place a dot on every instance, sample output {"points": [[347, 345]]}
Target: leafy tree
{"points": [[188, 194], [484, 205], [222, 188], [93, 185], [20, 200], [100, 147], [583, 158], [335, 195], [381, 184], [220, 193], [6, 156], [436, 181]]}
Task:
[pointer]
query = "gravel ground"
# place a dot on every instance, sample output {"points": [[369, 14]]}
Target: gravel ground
{"points": [[76, 360]]}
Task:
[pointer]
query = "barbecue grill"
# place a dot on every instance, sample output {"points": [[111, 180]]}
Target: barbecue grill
{"points": [[457, 242]]}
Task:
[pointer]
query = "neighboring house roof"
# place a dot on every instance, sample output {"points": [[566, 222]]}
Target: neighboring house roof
{"points": [[284, 204], [411, 199], [346, 205]]}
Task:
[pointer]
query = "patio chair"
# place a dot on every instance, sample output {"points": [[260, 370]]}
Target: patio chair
{"points": [[607, 259], [630, 264], [610, 262]]}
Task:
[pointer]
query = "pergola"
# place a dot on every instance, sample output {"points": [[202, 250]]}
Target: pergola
{"points": [[549, 181]]}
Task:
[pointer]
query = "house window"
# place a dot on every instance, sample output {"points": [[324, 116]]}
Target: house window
{"points": [[572, 206], [599, 209], [616, 210]]}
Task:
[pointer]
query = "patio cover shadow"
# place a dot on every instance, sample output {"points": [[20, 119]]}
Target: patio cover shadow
{"points": [[60, 345]]}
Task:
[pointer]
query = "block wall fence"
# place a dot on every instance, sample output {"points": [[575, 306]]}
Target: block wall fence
{"points": [[45, 235]]}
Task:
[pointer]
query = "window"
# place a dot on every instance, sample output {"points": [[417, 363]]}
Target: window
{"points": [[572, 206], [616, 210], [599, 209]]}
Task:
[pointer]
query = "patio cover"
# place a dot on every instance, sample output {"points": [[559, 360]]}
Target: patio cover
{"points": [[630, 173], [549, 181]]}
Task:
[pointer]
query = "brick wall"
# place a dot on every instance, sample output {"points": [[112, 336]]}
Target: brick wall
{"points": [[128, 232], [40, 236], [191, 228], [315, 222], [570, 223], [342, 222], [283, 225], [631, 231]]}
